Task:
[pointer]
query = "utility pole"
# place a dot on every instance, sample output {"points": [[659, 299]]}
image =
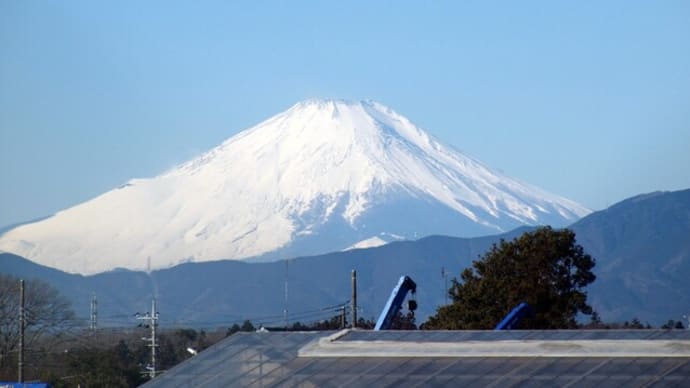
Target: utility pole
{"points": [[444, 276], [342, 317], [20, 372], [354, 299], [152, 320], [285, 310], [154, 323], [94, 314]]}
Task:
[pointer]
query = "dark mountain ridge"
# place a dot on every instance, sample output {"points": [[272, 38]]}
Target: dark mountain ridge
{"points": [[642, 248]]}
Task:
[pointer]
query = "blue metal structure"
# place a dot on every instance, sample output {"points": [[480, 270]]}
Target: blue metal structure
{"points": [[514, 317], [405, 285]]}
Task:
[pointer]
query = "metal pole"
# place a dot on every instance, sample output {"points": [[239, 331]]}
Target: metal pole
{"points": [[94, 313], [154, 323], [354, 299], [20, 377], [445, 283]]}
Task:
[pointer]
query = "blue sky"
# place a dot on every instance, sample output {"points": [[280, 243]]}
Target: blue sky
{"points": [[587, 99]]}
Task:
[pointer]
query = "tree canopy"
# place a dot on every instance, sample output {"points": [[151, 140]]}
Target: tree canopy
{"points": [[545, 268], [46, 311]]}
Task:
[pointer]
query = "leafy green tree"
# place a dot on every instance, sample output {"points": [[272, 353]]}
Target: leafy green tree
{"points": [[98, 366], [545, 268], [173, 346]]}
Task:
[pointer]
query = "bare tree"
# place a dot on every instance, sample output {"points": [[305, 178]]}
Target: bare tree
{"points": [[46, 312]]}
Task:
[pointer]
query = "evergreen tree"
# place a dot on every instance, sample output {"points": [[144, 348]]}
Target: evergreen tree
{"points": [[545, 268], [247, 326]]}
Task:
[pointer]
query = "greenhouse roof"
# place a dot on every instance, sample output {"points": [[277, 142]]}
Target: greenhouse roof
{"points": [[349, 358]]}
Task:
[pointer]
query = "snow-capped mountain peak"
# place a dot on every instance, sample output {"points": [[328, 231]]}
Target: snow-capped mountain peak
{"points": [[320, 176]]}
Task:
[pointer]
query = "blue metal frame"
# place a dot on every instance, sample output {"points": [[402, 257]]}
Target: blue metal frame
{"points": [[405, 285], [514, 317]]}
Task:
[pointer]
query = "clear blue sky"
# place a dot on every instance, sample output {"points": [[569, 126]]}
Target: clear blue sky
{"points": [[587, 99]]}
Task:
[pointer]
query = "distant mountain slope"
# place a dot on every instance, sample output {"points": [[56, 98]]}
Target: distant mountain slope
{"points": [[319, 177], [642, 246], [223, 292], [120, 293]]}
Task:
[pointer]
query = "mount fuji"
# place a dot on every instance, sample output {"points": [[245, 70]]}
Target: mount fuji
{"points": [[324, 175]]}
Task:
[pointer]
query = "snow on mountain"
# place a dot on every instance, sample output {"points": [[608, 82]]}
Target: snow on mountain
{"points": [[375, 241], [371, 242], [320, 176]]}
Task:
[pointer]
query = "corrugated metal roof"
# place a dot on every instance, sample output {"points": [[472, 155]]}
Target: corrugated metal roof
{"points": [[272, 359]]}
